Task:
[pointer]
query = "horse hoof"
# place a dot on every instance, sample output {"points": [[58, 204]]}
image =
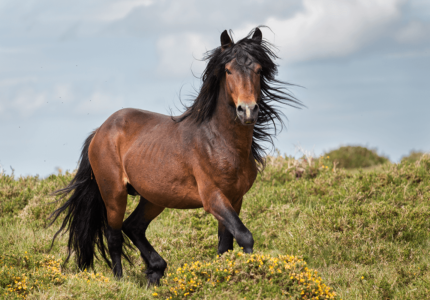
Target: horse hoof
{"points": [[154, 278], [248, 250]]}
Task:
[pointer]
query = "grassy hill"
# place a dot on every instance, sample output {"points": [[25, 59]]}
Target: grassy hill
{"points": [[366, 234]]}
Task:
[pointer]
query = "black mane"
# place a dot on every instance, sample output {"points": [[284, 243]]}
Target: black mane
{"points": [[272, 90]]}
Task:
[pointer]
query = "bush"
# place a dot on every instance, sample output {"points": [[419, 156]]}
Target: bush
{"points": [[248, 275], [350, 157], [412, 157]]}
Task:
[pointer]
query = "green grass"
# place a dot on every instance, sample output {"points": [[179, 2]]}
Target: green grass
{"points": [[366, 233]]}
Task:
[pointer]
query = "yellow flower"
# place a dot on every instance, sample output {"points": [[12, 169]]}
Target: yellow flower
{"points": [[154, 294]]}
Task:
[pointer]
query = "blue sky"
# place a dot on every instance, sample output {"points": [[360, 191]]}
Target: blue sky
{"points": [[65, 66]]}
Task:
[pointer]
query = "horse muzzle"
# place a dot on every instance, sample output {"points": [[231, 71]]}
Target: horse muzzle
{"points": [[247, 113]]}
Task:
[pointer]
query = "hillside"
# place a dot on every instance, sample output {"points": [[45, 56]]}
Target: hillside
{"points": [[367, 234]]}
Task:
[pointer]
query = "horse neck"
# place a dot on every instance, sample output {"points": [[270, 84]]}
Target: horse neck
{"points": [[233, 133]]}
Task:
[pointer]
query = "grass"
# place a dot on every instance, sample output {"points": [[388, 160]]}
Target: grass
{"points": [[361, 234]]}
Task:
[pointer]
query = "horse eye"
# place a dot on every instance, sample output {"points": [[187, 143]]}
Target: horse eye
{"points": [[259, 72], [227, 71]]}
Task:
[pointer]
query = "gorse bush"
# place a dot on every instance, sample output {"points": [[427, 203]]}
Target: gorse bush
{"points": [[20, 275], [319, 230], [247, 275], [350, 157]]}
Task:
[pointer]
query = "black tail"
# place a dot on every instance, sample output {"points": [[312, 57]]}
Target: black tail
{"points": [[86, 218]]}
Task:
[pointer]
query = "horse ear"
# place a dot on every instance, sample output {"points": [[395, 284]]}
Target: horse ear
{"points": [[225, 40], [257, 36]]}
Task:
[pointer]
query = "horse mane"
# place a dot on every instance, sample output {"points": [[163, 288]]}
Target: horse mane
{"points": [[273, 91]]}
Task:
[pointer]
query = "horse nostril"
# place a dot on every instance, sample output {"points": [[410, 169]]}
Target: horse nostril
{"points": [[255, 108], [240, 109]]}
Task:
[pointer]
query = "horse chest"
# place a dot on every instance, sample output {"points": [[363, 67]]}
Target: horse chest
{"points": [[235, 178]]}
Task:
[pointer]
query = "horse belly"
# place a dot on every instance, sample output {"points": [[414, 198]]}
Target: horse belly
{"points": [[171, 194], [164, 182]]}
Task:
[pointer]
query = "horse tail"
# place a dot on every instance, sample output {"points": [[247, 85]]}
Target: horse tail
{"points": [[86, 218]]}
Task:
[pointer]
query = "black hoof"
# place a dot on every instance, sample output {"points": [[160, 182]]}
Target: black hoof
{"points": [[247, 250], [118, 276], [117, 272], [154, 277]]}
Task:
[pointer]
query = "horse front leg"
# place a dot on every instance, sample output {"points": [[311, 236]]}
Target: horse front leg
{"points": [[225, 238], [220, 207]]}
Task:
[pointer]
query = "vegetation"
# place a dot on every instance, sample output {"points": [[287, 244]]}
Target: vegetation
{"points": [[318, 230], [350, 157], [413, 156]]}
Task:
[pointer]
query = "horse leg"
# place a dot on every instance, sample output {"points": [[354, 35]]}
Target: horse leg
{"points": [[220, 207], [135, 227], [114, 194], [115, 241], [225, 238]]}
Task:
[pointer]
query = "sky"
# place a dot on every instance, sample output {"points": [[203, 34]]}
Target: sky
{"points": [[361, 67]]}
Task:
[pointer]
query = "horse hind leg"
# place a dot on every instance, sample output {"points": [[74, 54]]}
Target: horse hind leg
{"points": [[225, 239], [115, 243], [135, 227], [114, 194]]}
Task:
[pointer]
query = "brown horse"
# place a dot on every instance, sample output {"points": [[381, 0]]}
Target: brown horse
{"points": [[207, 157]]}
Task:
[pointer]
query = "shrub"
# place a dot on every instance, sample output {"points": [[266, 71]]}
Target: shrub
{"points": [[350, 157], [412, 157], [248, 274]]}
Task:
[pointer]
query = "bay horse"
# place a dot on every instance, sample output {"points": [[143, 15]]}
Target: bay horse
{"points": [[207, 157]]}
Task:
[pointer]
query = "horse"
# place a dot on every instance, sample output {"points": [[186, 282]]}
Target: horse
{"points": [[209, 156]]}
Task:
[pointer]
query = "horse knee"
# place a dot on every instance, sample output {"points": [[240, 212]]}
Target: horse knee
{"points": [[246, 241]]}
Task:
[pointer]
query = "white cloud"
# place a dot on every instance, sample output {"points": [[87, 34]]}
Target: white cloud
{"points": [[28, 100], [119, 9], [25, 96], [99, 103], [179, 54], [320, 29], [332, 28], [11, 82]]}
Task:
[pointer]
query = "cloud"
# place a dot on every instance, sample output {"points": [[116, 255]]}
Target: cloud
{"points": [[317, 30], [304, 29], [413, 32], [117, 10], [14, 81], [178, 54], [332, 28], [99, 103], [30, 97], [28, 100]]}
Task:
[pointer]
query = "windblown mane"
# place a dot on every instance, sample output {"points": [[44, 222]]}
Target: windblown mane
{"points": [[273, 91]]}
